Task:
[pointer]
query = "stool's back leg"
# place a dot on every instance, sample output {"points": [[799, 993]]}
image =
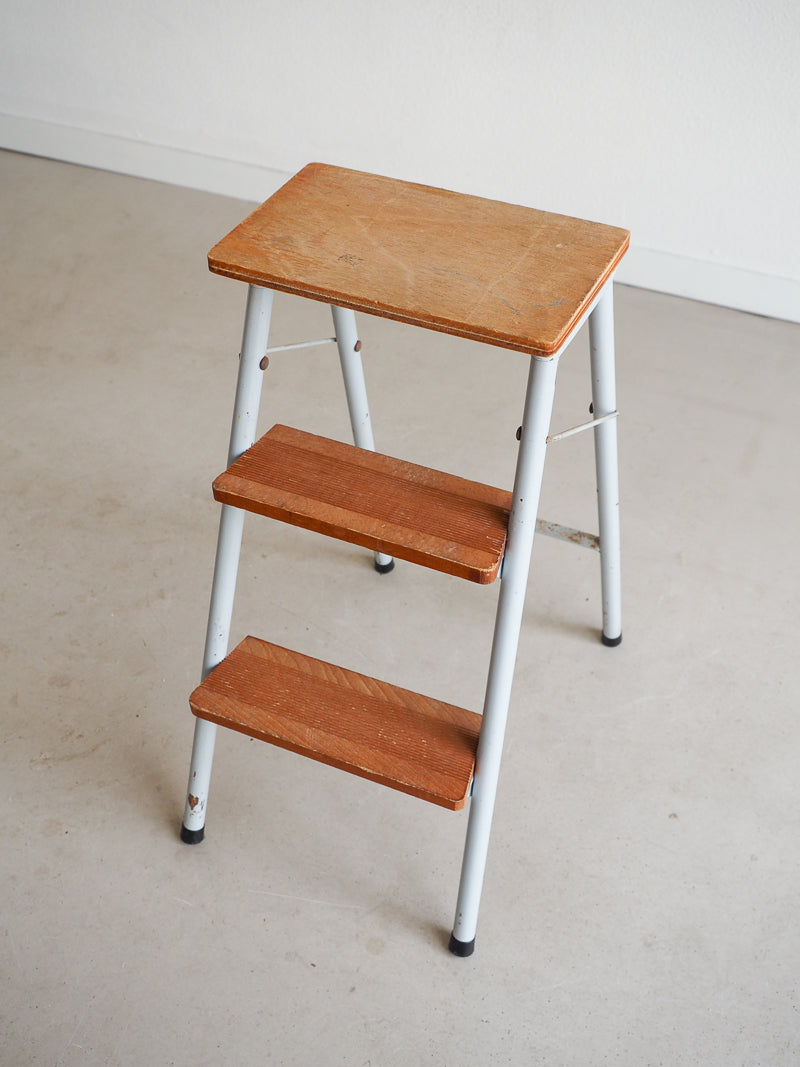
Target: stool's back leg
{"points": [[243, 434], [516, 564], [604, 401], [344, 323]]}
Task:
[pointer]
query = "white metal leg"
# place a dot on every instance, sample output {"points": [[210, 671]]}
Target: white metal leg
{"points": [[516, 564], [344, 323], [243, 433], [604, 401]]}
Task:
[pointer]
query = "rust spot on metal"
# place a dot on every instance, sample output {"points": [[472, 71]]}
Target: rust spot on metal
{"points": [[193, 801], [567, 533], [575, 537]]}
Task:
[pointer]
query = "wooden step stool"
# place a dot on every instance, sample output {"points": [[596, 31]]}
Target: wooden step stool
{"points": [[508, 276]]}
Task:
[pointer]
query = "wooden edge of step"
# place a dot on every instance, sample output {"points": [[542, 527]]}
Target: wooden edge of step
{"points": [[406, 741], [427, 517]]}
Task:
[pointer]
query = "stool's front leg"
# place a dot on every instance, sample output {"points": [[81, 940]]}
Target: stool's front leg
{"points": [[516, 564], [243, 434], [604, 402]]}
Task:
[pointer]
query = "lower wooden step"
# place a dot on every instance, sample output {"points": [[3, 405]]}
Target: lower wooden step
{"points": [[409, 742], [388, 505]]}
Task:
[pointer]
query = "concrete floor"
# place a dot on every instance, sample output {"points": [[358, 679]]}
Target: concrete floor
{"points": [[642, 895]]}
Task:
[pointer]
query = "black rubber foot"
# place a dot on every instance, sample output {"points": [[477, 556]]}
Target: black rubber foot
{"points": [[461, 948], [192, 837], [384, 568], [612, 642]]}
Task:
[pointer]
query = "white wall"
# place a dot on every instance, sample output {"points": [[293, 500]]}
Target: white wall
{"points": [[676, 119]]}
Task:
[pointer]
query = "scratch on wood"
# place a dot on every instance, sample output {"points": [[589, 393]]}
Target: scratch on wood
{"points": [[545, 307], [469, 278]]}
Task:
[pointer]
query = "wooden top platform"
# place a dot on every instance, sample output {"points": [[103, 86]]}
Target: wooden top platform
{"points": [[493, 272]]}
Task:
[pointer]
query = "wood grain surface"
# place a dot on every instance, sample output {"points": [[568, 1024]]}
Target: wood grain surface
{"points": [[388, 505], [507, 275], [389, 735]]}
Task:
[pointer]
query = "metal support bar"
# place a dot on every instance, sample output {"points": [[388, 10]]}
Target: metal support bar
{"points": [[567, 533], [243, 433], [344, 321], [583, 426], [301, 344], [521, 528]]}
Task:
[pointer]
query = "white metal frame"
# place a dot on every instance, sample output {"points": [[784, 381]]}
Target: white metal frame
{"points": [[523, 524], [252, 363], [349, 345], [604, 403], [516, 565]]}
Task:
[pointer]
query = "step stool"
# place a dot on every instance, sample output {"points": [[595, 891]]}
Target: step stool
{"points": [[509, 276]]}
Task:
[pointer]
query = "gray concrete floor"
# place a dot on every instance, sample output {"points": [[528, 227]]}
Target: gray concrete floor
{"points": [[642, 895]]}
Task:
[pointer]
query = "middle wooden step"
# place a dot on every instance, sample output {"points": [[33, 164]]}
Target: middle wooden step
{"points": [[387, 505]]}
